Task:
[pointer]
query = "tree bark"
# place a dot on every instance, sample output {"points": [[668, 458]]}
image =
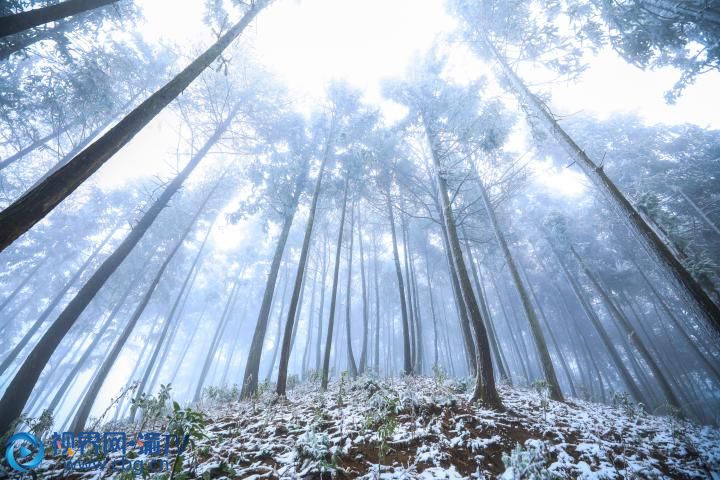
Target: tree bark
{"points": [[15, 352], [376, 286], [39, 16], [322, 305], [25, 212], [365, 313], [538, 336], [407, 363], [285, 353], [19, 390], [658, 248], [485, 390], [333, 296], [348, 298], [97, 383]]}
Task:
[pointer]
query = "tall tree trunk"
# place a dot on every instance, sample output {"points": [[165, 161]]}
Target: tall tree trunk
{"points": [[310, 326], [609, 345], [25, 212], [278, 333], [252, 367], [497, 352], [34, 145], [87, 402], [561, 357], [82, 362], [333, 296], [17, 393], [348, 298], [376, 286], [407, 363], [459, 303], [181, 358], [622, 322], [15, 352], [408, 291], [521, 359], [700, 213], [485, 390], [322, 305], [184, 292], [537, 333], [52, 13], [24, 282], [658, 248], [419, 360], [214, 343], [365, 313], [432, 306], [285, 353]]}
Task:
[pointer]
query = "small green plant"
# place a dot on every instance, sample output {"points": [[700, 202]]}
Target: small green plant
{"points": [[527, 464], [625, 402], [439, 374], [187, 426], [542, 388], [153, 408]]}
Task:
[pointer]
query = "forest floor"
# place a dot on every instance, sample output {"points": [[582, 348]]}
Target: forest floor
{"points": [[426, 428]]}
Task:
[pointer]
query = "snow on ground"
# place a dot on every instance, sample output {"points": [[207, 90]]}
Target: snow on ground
{"points": [[426, 428]]}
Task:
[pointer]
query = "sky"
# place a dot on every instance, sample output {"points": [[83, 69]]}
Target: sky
{"points": [[308, 43]]}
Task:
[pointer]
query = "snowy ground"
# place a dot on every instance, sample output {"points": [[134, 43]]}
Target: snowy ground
{"points": [[425, 428]]}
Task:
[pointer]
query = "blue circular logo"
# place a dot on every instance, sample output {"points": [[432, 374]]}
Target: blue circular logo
{"points": [[18, 443]]}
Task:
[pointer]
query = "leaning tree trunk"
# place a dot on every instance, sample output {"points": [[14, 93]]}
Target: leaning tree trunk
{"points": [[318, 341], [407, 360], [24, 282], [609, 345], [19, 390], [624, 324], [252, 367], [287, 337], [348, 299], [82, 362], [365, 313], [78, 423], [52, 13], [459, 303], [15, 352], [333, 296], [537, 333], [214, 344], [34, 145], [657, 247], [485, 390], [376, 287], [25, 212]]}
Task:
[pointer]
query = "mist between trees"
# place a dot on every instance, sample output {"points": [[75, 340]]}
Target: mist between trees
{"points": [[174, 217]]}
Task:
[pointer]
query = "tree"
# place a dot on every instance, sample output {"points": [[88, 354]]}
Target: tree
{"points": [[21, 386], [52, 13], [35, 204]]}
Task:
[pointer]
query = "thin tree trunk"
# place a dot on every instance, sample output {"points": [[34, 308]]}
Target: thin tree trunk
{"points": [[365, 313], [52, 13], [485, 390], [285, 353], [278, 333], [34, 145], [348, 300], [622, 322], [333, 296], [322, 305], [87, 402], [408, 292], [17, 393], [25, 212], [537, 333], [376, 285], [459, 303], [215, 341], [407, 363], [658, 248], [609, 345], [310, 326], [24, 282], [432, 305], [82, 362], [15, 352]]}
